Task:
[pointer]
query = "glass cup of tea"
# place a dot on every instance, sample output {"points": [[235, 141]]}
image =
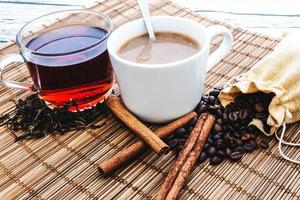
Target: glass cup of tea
{"points": [[66, 56]]}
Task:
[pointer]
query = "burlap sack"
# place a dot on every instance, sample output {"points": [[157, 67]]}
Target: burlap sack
{"points": [[279, 72]]}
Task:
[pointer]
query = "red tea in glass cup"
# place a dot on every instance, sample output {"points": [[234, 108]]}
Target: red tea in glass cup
{"points": [[67, 61]]}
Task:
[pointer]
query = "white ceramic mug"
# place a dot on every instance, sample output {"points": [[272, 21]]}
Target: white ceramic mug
{"points": [[162, 92]]}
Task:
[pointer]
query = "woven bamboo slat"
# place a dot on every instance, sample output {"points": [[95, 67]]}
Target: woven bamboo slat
{"points": [[65, 166]]}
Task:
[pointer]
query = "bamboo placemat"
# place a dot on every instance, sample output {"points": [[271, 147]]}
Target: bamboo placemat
{"points": [[65, 166]]}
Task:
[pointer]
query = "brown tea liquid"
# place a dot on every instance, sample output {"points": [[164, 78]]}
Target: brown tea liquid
{"points": [[77, 71]]}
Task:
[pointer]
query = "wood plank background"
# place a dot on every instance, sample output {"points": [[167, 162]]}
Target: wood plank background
{"points": [[271, 17]]}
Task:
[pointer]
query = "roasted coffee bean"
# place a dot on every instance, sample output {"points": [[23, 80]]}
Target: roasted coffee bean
{"points": [[236, 125], [219, 113], [243, 114], [249, 147], [192, 122], [179, 132], [218, 103], [217, 128], [237, 135], [219, 121], [210, 140], [203, 103], [214, 93], [227, 109], [233, 116], [224, 128], [259, 107], [216, 137], [205, 98], [251, 128], [232, 106], [235, 156], [246, 137], [253, 142], [218, 106], [172, 143], [235, 142], [201, 109], [255, 130], [202, 157], [227, 136], [185, 136], [259, 115], [222, 134], [215, 160], [232, 143], [264, 143], [206, 146], [211, 151], [181, 141], [225, 117], [253, 136], [239, 149], [228, 152], [211, 109], [243, 129], [230, 128], [220, 144], [221, 154], [211, 100], [171, 137]]}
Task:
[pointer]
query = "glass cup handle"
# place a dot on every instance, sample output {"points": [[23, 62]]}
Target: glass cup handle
{"points": [[223, 49], [5, 61]]}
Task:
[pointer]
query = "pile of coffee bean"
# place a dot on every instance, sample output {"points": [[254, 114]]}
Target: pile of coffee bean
{"points": [[232, 136]]}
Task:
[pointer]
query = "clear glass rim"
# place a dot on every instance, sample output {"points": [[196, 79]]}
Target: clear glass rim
{"points": [[105, 17]]}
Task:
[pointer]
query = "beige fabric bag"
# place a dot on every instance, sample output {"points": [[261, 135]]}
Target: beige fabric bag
{"points": [[279, 72]]}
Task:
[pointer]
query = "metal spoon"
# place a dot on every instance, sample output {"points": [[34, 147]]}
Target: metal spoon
{"points": [[146, 52]]}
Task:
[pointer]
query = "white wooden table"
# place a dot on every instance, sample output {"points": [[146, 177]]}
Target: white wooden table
{"points": [[271, 17]]}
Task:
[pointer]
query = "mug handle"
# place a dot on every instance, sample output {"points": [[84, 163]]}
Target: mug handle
{"points": [[223, 49], [5, 61]]}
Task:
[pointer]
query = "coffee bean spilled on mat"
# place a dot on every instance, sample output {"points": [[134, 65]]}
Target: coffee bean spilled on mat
{"points": [[32, 118], [232, 136]]}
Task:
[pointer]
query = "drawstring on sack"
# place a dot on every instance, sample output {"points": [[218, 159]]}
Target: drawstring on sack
{"points": [[281, 141]]}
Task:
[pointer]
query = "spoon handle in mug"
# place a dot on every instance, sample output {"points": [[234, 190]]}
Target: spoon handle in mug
{"points": [[6, 61], [143, 5]]}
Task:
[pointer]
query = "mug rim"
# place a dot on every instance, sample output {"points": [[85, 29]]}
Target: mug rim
{"points": [[105, 17], [145, 65]]}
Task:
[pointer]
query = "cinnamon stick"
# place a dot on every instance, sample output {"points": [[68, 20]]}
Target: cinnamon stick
{"points": [[192, 159], [118, 108], [125, 155], [189, 144]]}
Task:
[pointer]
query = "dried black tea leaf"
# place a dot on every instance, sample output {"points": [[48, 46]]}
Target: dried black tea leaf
{"points": [[34, 119]]}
